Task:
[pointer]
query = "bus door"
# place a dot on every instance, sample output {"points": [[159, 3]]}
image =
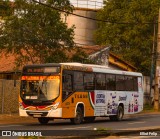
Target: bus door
{"points": [[100, 95], [139, 99]]}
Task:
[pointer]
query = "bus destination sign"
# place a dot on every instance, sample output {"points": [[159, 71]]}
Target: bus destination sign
{"points": [[42, 69]]}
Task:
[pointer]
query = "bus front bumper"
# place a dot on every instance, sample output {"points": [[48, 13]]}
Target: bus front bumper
{"points": [[54, 113]]}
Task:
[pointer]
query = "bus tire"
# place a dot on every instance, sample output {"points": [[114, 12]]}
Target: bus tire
{"points": [[79, 117], [119, 116], [43, 120], [89, 119], [120, 113]]}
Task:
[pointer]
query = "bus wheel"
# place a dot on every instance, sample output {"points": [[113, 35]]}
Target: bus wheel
{"points": [[119, 116], [43, 120], [89, 119], [79, 116], [120, 113]]}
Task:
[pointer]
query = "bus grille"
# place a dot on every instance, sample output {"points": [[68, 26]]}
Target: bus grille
{"points": [[40, 113]]}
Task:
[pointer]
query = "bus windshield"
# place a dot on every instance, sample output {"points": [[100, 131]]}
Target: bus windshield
{"points": [[42, 90]]}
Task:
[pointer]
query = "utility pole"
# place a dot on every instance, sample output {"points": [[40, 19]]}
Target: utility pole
{"points": [[157, 77], [152, 63]]}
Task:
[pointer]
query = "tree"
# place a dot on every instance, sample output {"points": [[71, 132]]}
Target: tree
{"points": [[129, 30], [79, 55], [36, 33], [5, 8]]}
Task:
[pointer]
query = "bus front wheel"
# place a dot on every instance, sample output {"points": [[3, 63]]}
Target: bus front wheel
{"points": [[43, 120], [119, 115], [79, 116]]}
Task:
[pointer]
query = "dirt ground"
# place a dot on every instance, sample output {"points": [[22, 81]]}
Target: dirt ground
{"points": [[15, 118]]}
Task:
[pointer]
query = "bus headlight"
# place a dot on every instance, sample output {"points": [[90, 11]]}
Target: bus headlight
{"points": [[55, 106], [21, 106]]}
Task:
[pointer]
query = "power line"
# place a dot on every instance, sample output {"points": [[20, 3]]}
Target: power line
{"points": [[88, 17]]}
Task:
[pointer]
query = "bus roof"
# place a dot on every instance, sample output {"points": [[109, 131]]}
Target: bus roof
{"points": [[103, 69], [95, 68]]}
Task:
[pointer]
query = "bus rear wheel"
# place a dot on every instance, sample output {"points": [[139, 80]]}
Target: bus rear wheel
{"points": [[43, 120], [79, 116], [119, 115]]}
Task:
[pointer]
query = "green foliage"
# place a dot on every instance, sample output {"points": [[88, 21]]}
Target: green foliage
{"points": [[148, 108], [58, 56], [129, 30], [36, 33], [6, 8], [81, 57]]}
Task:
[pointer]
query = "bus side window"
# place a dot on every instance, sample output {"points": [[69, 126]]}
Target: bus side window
{"points": [[67, 84], [100, 81], [78, 81], [135, 82], [129, 84], [120, 83], [89, 81], [111, 82]]}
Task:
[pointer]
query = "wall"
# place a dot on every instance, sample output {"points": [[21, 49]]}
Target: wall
{"points": [[9, 90]]}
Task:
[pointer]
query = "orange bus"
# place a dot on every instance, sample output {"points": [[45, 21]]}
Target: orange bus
{"points": [[79, 92]]}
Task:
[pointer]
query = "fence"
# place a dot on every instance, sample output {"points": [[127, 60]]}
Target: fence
{"points": [[9, 90], [89, 4]]}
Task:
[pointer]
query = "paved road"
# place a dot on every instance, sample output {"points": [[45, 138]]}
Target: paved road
{"points": [[138, 124], [129, 122]]}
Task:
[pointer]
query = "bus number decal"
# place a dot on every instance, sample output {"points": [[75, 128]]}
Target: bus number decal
{"points": [[81, 96]]}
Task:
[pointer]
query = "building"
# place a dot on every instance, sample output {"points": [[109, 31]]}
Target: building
{"points": [[8, 69], [111, 60], [83, 19]]}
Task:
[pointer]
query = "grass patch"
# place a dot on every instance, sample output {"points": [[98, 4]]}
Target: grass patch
{"points": [[105, 131], [148, 108]]}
